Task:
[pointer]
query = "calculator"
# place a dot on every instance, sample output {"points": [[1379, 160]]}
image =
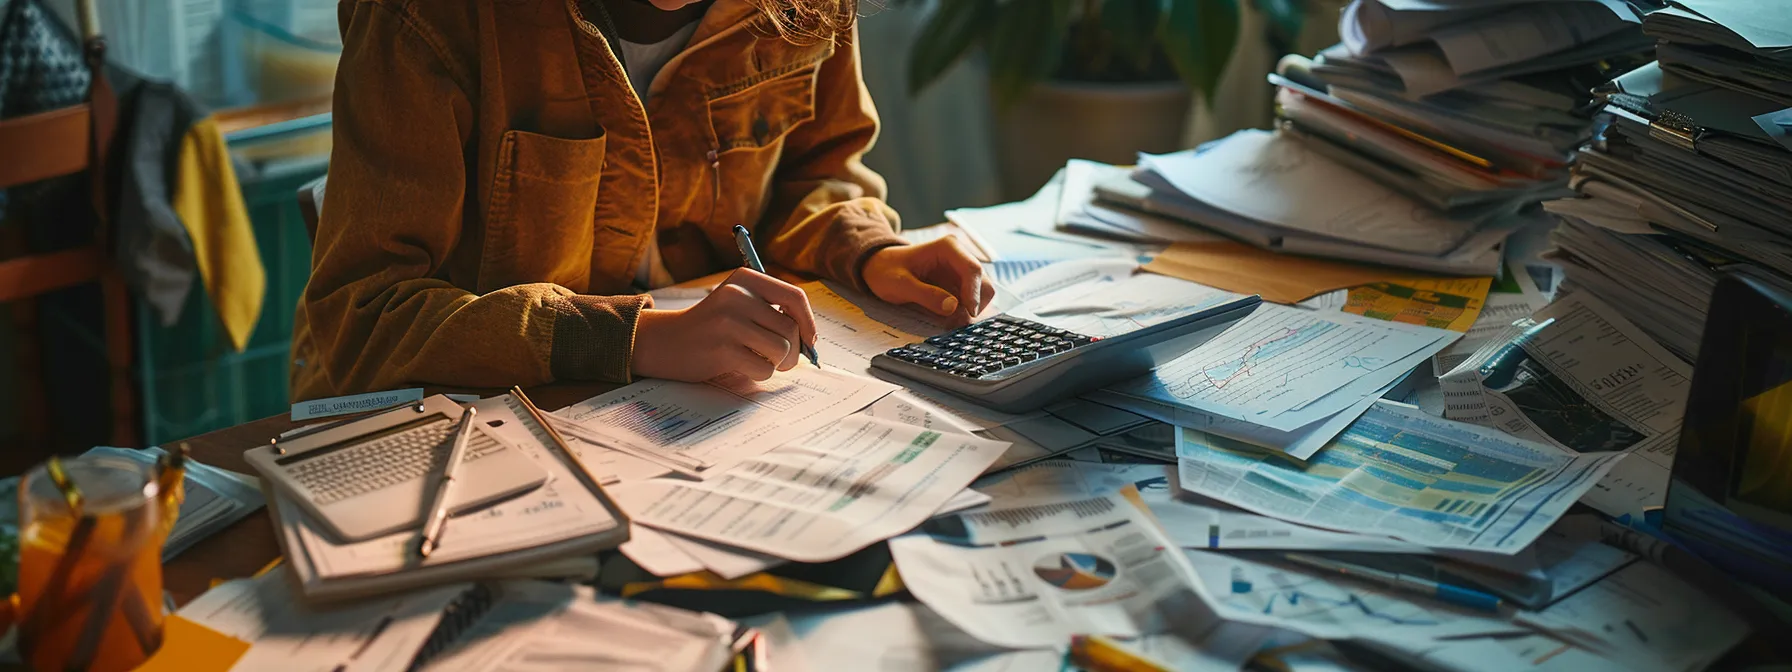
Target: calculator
{"points": [[1016, 365]]}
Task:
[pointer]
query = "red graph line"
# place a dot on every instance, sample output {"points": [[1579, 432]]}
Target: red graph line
{"points": [[1245, 365]]}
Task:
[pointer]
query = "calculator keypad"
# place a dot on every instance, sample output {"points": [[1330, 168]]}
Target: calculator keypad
{"points": [[984, 349]]}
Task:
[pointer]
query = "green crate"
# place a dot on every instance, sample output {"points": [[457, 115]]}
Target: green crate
{"points": [[191, 380]]}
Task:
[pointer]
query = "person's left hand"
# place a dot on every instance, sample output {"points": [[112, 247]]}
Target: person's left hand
{"points": [[939, 276]]}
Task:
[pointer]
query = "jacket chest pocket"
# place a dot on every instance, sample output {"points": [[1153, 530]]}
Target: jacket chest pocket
{"points": [[538, 227], [757, 115], [750, 122]]}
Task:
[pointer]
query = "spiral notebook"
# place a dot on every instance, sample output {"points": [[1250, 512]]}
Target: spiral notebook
{"points": [[554, 531], [519, 624]]}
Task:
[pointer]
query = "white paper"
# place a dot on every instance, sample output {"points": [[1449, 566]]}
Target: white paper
{"points": [[679, 297], [284, 633], [1403, 474], [1508, 38], [726, 420], [1582, 379], [1122, 306], [1060, 480], [1320, 606], [907, 408], [892, 636], [655, 552], [1077, 207], [822, 496], [1299, 444], [538, 626], [1031, 577], [1279, 181], [1280, 359], [1195, 526], [354, 403], [1646, 618]]}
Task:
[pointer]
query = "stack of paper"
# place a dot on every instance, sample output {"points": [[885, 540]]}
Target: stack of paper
{"points": [[1692, 176], [1273, 191], [1420, 142], [1284, 378]]}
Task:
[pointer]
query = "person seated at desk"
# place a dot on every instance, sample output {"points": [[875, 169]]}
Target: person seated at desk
{"points": [[507, 174]]}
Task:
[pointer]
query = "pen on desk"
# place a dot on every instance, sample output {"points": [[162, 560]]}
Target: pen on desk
{"points": [[671, 461], [1095, 653], [744, 241], [438, 505], [1443, 592]]}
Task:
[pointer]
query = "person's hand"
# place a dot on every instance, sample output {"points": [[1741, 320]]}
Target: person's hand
{"points": [[939, 276], [733, 330]]}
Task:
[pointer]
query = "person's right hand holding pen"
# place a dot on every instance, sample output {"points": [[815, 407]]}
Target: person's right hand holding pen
{"points": [[753, 324]]}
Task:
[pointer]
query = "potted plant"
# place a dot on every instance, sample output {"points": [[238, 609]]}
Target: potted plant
{"points": [[1091, 79]]}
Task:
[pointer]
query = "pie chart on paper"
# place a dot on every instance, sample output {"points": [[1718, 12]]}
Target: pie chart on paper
{"points": [[1075, 571]]}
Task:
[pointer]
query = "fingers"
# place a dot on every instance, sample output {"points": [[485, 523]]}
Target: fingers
{"points": [[911, 289], [970, 287], [774, 336], [985, 295], [751, 364], [783, 294]]}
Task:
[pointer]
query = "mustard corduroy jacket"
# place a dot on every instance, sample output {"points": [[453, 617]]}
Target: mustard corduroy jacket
{"points": [[494, 183]]}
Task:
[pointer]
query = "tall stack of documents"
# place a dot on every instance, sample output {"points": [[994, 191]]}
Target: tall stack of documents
{"points": [[1690, 178], [1422, 141]]}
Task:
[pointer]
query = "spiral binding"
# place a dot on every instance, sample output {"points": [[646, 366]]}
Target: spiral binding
{"points": [[457, 617]]}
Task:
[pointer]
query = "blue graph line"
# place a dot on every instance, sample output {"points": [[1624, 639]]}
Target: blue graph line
{"points": [[1294, 597]]}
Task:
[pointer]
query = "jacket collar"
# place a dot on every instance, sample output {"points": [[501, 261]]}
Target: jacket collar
{"points": [[723, 17]]}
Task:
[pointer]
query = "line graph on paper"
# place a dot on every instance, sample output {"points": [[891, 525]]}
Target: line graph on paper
{"points": [[1281, 358], [1301, 598], [1224, 373], [1316, 605]]}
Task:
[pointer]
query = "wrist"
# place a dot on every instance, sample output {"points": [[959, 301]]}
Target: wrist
{"points": [[652, 329]]}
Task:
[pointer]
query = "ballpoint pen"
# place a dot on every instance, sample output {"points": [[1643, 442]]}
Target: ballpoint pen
{"points": [[1443, 592], [744, 241], [438, 505]]}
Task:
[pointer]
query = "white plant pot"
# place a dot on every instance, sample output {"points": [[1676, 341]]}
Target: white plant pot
{"points": [[1058, 121]]}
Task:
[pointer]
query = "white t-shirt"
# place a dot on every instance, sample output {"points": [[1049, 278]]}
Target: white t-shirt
{"points": [[644, 61]]}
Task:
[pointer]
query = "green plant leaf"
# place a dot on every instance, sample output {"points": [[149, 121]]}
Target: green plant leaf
{"points": [[1285, 19], [1025, 46], [950, 31], [1198, 36], [1132, 25]]}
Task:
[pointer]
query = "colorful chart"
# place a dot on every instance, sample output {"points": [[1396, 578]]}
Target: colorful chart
{"points": [[1075, 571]]}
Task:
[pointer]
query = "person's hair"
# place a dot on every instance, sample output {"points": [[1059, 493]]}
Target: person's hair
{"points": [[809, 21]]}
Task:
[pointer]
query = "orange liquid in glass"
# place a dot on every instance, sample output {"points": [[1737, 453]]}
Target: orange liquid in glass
{"points": [[116, 579]]}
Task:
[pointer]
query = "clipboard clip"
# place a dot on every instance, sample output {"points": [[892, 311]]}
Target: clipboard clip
{"points": [[1676, 129]]}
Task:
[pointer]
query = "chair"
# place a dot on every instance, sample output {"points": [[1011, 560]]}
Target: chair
{"points": [[53, 144]]}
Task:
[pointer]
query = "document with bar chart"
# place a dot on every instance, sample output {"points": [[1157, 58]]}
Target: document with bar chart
{"points": [[1400, 473], [708, 424]]}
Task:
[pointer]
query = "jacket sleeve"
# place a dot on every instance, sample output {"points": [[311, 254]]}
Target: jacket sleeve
{"points": [[380, 313], [827, 214]]}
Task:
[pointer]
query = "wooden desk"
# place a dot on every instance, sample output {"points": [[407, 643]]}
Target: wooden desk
{"points": [[247, 546]]}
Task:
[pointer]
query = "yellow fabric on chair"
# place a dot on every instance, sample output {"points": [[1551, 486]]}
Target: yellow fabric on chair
{"points": [[210, 205]]}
